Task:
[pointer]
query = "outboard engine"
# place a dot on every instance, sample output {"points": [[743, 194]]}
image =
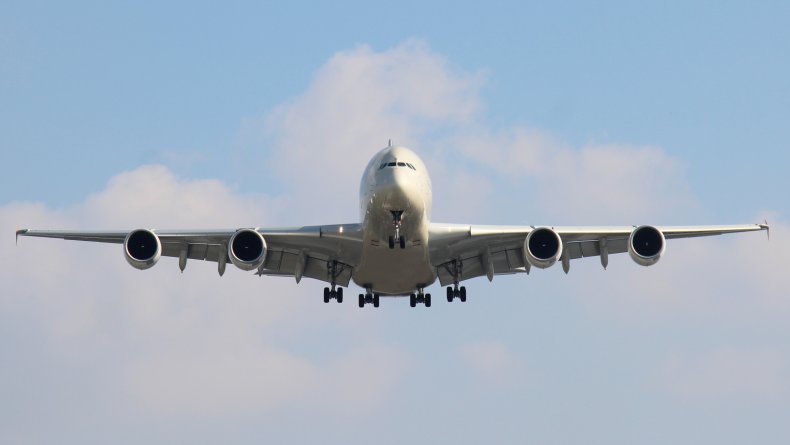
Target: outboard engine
{"points": [[646, 245], [543, 247], [142, 248], [247, 249]]}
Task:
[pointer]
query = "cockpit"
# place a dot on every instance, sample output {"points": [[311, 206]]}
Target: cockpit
{"points": [[396, 164]]}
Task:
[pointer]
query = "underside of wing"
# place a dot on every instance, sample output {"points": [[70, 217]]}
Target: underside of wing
{"points": [[327, 253], [460, 252]]}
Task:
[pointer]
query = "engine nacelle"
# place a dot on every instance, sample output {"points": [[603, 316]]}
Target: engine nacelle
{"points": [[646, 245], [543, 247], [247, 249], [142, 248]]}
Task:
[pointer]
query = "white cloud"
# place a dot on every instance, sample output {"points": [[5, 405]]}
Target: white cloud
{"points": [[358, 100], [597, 183]]}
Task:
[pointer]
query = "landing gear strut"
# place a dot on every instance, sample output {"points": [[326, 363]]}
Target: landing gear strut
{"points": [[333, 270], [455, 268], [396, 224]]}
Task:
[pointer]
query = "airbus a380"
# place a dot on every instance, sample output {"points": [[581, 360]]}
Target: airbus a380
{"points": [[396, 250]]}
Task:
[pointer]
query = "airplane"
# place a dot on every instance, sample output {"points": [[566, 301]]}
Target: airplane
{"points": [[395, 251]]}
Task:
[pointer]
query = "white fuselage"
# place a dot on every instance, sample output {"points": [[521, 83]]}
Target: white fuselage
{"points": [[395, 181]]}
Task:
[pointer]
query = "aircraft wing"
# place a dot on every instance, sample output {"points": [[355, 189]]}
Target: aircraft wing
{"points": [[310, 251], [469, 251]]}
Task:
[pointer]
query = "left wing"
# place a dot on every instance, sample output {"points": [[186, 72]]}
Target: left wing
{"points": [[460, 252], [326, 253]]}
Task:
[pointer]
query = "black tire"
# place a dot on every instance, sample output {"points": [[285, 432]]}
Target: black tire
{"points": [[450, 294], [376, 300], [361, 300], [412, 300], [402, 242], [392, 242], [463, 294], [326, 295], [339, 296], [427, 300]]}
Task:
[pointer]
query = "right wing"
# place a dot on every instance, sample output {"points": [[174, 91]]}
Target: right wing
{"points": [[467, 251], [326, 253]]}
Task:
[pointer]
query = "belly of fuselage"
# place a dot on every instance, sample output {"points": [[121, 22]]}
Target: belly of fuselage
{"points": [[394, 271]]}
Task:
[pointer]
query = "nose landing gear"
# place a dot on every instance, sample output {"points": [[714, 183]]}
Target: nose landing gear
{"points": [[397, 216]]}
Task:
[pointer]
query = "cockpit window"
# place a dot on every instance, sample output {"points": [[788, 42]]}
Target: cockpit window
{"points": [[396, 164]]}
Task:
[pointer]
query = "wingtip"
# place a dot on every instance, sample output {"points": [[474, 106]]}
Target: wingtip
{"points": [[765, 226], [20, 232]]}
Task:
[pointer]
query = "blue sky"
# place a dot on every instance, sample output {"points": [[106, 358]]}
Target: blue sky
{"points": [[192, 114]]}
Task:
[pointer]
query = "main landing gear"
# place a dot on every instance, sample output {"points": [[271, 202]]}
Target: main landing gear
{"points": [[396, 224], [368, 297], [420, 297], [454, 292], [333, 294]]}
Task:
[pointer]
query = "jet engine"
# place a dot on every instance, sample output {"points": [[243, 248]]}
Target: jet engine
{"points": [[646, 245], [247, 249], [142, 248], [543, 247]]}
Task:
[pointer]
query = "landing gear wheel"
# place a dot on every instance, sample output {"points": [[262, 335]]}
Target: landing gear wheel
{"points": [[402, 242], [339, 295], [463, 294], [376, 300], [326, 295], [450, 294], [361, 300], [427, 300], [392, 242], [412, 300]]}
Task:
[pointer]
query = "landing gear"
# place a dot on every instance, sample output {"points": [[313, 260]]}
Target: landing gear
{"points": [[396, 224], [330, 294], [333, 270], [454, 292], [455, 268], [369, 297], [420, 297], [401, 241]]}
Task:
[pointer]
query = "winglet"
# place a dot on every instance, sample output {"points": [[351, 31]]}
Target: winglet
{"points": [[20, 232], [767, 229]]}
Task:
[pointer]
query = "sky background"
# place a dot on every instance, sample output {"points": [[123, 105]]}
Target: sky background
{"points": [[199, 115]]}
